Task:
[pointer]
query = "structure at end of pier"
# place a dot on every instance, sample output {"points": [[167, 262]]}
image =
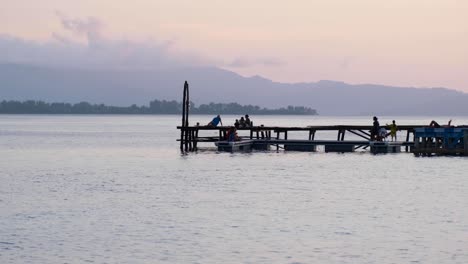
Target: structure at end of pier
{"points": [[440, 141]]}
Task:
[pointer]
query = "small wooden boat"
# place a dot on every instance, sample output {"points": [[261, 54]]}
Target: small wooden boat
{"points": [[242, 145]]}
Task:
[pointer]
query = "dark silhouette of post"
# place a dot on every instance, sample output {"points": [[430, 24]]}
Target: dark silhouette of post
{"points": [[184, 134], [188, 138]]}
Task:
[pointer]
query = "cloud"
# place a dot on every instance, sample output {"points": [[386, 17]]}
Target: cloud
{"points": [[245, 62], [64, 49], [89, 27], [82, 43], [107, 54]]}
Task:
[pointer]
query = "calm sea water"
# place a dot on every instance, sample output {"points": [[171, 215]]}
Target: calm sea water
{"points": [[116, 189]]}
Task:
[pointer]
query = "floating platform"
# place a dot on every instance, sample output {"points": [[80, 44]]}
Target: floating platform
{"points": [[310, 145], [341, 148], [385, 147]]}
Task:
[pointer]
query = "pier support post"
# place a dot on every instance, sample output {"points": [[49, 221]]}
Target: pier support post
{"points": [[181, 139], [195, 142], [341, 134], [407, 140], [277, 138], [465, 140], [190, 140], [311, 134]]}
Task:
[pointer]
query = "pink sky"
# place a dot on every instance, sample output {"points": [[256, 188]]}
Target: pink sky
{"points": [[421, 43]]}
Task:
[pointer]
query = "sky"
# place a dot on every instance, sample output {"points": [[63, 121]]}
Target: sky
{"points": [[418, 43]]}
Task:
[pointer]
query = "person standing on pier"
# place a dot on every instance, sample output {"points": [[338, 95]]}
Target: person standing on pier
{"points": [[216, 120], [393, 130], [375, 129]]}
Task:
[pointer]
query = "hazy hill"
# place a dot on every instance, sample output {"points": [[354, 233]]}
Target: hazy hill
{"points": [[114, 87]]}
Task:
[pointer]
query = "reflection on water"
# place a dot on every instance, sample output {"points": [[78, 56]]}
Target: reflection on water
{"points": [[109, 189]]}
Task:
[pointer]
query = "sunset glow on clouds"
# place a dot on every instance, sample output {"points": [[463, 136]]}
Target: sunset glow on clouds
{"points": [[399, 42]]}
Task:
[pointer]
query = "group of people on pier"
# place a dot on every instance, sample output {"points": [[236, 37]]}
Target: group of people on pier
{"points": [[377, 133], [380, 133], [240, 123], [243, 122], [231, 134]]}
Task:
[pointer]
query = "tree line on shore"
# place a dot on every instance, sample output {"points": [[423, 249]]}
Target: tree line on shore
{"points": [[154, 107]]}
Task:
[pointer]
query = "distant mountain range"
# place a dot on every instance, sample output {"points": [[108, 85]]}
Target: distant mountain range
{"points": [[126, 87]]}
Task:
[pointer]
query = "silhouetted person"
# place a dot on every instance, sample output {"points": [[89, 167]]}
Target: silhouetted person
{"points": [[382, 134], [393, 130], [248, 123], [216, 120], [375, 129], [242, 122], [434, 124], [237, 124]]}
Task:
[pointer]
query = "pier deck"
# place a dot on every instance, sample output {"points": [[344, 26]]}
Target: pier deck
{"points": [[277, 136], [418, 139]]}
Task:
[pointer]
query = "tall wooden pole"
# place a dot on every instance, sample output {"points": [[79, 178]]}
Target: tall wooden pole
{"points": [[186, 118], [187, 104], [184, 110]]}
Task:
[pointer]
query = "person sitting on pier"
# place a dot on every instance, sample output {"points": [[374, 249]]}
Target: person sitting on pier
{"points": [[232, 135], [375, 129], [248, 123], [434, 124], [216, 120], [237, 124], [242, 122], [382, 134]]}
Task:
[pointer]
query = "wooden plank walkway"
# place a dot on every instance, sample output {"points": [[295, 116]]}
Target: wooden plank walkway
{"points": [[278, 136]]}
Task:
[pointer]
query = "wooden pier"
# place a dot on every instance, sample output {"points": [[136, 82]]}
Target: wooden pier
{"points": [[262, 137], [419, 140]]}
